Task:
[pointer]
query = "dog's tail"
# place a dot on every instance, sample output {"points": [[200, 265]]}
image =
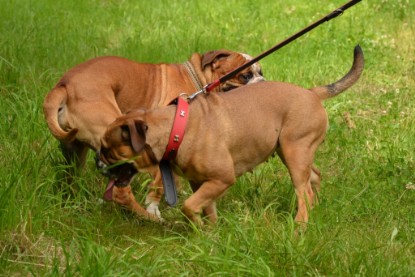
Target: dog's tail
{"points": [[54, 107], [347, 81]]}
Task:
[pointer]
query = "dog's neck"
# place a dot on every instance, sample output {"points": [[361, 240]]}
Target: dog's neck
{"points": [[193, 75], [162, 121], [199, 72]]}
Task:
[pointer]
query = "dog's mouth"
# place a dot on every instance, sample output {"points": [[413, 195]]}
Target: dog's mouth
{"points": [[243, 79], [119, 175], [228, 87]]}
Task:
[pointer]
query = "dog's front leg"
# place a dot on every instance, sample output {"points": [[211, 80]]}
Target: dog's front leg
{"points": [[203, 200], [210, 211], [124, 196], [155, 193]]}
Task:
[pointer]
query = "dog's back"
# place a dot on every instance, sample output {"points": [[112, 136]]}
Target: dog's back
{"points": [[257, 118]]}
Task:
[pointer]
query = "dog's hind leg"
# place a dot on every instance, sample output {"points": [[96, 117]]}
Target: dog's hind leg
{"points": [[315, 181], [299, 161], [74, 155]]}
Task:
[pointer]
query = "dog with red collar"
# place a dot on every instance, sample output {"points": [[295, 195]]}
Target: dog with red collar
{"points": [[229, 134]]}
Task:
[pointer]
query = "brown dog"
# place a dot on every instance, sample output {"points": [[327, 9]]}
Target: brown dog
{"points": [[91, 95], [229, 134]]}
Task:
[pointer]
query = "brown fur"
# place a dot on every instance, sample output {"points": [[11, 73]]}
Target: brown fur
{"points": [[229, 134], [91, 95]]}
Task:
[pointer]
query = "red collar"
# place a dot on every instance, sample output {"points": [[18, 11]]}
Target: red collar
{"points": [[177, 131]]}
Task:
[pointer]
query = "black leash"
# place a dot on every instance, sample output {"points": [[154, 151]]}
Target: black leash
{"points": [[209, 87]]}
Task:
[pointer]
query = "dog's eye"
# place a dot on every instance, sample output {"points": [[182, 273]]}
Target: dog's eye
{"points": [[244, 78]]}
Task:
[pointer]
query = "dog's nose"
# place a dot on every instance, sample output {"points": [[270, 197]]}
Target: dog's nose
{"points": [[101, 166], [98, 163]]}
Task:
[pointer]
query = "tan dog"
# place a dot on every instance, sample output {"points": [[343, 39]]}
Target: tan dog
{"points": [[91, 95], [229, 134]]}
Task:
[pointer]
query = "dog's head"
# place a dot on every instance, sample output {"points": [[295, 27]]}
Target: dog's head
{"points": [[220, 62], [123, 150]]}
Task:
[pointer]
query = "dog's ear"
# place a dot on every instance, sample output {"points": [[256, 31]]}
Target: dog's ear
{"points": [[212, 56], [137, 130]]}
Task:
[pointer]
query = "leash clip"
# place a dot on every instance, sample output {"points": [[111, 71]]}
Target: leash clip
{"points": [[194, 95]]}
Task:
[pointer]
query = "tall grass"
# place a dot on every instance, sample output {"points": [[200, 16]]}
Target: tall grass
{"points": [[364, 224]]}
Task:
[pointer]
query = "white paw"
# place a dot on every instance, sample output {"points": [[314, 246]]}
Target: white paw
{"points": [[153, 208]]}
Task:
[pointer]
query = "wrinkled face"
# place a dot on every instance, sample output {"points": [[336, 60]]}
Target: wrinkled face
{"points": [[113, 159], [250, 75], [222, 62], [253, 74], [121, 151]]}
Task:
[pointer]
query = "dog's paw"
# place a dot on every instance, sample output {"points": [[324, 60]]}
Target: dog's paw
{"points": [[153, 208]]}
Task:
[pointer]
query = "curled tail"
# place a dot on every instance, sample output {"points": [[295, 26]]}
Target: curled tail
{"points": [[347, 81], [53, 107]]}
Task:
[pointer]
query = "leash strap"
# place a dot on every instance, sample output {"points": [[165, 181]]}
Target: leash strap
{"points": [[209, 87], [176, 138]]}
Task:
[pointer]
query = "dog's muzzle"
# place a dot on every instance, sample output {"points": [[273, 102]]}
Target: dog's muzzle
{"points": [[118, 172], [256, 79], [100, 165], [251, 80]]}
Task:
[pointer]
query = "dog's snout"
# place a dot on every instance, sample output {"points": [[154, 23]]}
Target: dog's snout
{"points": [[260, 78], [256, 80], [98, 163]]}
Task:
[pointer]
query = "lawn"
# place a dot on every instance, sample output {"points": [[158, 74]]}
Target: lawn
{"points": [[364, 224]]}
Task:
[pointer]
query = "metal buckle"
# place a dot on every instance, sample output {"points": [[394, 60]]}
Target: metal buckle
{"points": [[194, 95]]}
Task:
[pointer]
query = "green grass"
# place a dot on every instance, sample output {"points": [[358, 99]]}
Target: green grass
{"points": [[364, 225]]}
